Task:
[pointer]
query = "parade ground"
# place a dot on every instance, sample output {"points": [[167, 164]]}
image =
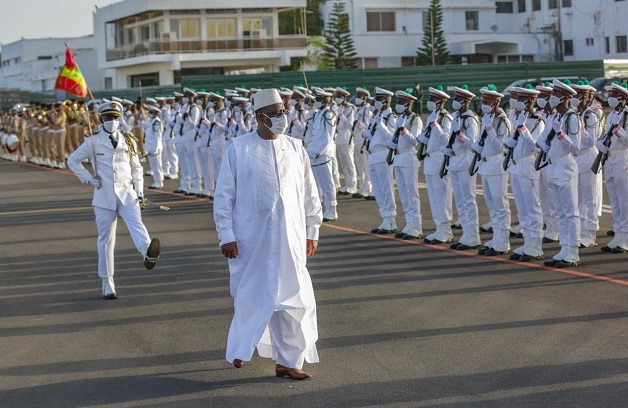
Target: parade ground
{"points": [[401, 323]]}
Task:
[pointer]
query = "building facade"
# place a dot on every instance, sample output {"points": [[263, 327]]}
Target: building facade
{"points": [[156, 42], [34, 64], [388, 34]]}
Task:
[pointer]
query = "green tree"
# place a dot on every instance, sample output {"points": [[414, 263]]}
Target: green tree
{"points": [[339, 50], [433, 49]]}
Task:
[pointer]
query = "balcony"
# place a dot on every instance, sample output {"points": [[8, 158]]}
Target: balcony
{"points": [[158, 47]]}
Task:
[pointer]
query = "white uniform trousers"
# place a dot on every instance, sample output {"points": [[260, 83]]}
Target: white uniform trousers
{"points": [[588, 203], [550, 216], [464, 187], [334, 170], [439, 193], [408, 188], [154, 161], [362, 171], [193, 164], [565, 197], [382, 179], [325, 182], [106, 222], [617, 187], [208, 170], [347, 165], [169, 157], [185, 179], [528, 203], [496, 197], [218, 150]]}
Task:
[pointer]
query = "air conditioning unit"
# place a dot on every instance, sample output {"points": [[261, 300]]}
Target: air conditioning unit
{"points": [[171, 36]]}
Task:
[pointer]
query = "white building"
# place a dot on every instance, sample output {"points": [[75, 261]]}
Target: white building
{"points": [[34, 64], [159, 41], [388, 33]]}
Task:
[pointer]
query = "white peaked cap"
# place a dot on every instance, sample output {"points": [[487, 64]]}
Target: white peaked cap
{"points": [[266, 97]]}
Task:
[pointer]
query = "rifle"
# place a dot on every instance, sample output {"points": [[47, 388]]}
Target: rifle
{"points": [[510, 150], [420, 150], [601, 157], [541, 158], [393, 152], [477, 157], [450, 143]]}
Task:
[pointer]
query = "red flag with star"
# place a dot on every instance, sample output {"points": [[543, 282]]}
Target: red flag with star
{"points": [[70, 78]]}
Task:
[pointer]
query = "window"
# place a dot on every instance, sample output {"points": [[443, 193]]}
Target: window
{"points": [[380, 21], [521, 8], [553, 4], [186, 28], [130, 36], [259, 27], [408, 61], [536, 5], [370, 62], [221, 28], [504, 7], [566, 3], [108, 83], [607, 44], [44, 57], [589, 42], [472, 20], [568, 48], [621, 44], [144, 33], [158, 29]]}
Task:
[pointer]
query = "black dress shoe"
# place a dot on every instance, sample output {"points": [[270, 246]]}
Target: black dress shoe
{"points": [[179, 191], [385, 231], [489, 229], [619, 250], [515, 256], [375, 231], [454, 245], [456, 226], [110, 296], [552, 262], [152, 253], [610, 233], [493, 252], [369, 198], [342, 193], [435, 242], [329, 219], [400, 234], [606, 248], [549, 240], [519, 235], [483, 250], [410, 237], [565, 264], [358, 195], [527, 258], [465, 247]]}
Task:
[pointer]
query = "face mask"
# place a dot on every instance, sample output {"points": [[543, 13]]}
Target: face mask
{"points": [[359, 101], [574, 102], [400, 108], [292, 102], [511, 103], [554, 101], [280, 124], [177, 105], [456, 105], [541, 103], [431, 106], [185, 100], [210, 104], [371, 108], [520, 106], [613, 102], [379, 105], [318, 104], [339, 101], [228, 103], [111, 126], [487, 109], [199, 101]]}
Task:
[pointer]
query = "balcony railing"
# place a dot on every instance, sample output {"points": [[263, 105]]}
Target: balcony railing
{"points": [[201, 46]]}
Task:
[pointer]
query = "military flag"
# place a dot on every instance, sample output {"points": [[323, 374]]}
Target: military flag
{"points": [[70, 78]]}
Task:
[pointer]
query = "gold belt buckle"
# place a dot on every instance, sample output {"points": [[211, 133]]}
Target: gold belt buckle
{"points": [[453, 153], [484, 159], [514, 161]]}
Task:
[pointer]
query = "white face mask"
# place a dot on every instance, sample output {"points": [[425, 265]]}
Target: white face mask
{"points": [[111, 126], [359, 101], [210, 104], [177, 105], [574, 102], [520, 106], [456, 105], [185, 100], [431, 106], [318, 104], [199, 101], [400, 108], [339, 101], [372, 108], [292, 102], [613, 102], [554, 101], [378, 105], [228, 103], [541, 103], [487, 109], [280, 124]]}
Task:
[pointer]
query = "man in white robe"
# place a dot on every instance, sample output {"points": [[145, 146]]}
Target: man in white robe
{"points": [[268, 213]]}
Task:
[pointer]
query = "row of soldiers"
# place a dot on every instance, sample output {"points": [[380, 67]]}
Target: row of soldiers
{"points": [[550, 145]]}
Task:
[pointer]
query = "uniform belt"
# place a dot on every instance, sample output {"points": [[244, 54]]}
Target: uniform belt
{"points": [[523, 159]]}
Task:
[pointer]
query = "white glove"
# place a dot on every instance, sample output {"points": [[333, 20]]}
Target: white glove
{"points": [[601, 146], [95, 181], [433, 116], [487, 120], [446, 150], [521, 119], [477, 147], [545, 147], [556, 126], [421, 138], [510, 142], [391, 144]]}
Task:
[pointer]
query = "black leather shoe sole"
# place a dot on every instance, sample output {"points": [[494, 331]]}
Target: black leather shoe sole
{"points": [[619, 250], [565, 264], [369, 198], [358, 195], [553, 262], [606, 248], [152, 254], [515, 256], [492, 252], [527, 258], [110, 296], [410, 237], [610, 233]]}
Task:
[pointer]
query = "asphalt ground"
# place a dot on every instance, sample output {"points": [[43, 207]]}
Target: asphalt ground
{"points": [[401, 324]]}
